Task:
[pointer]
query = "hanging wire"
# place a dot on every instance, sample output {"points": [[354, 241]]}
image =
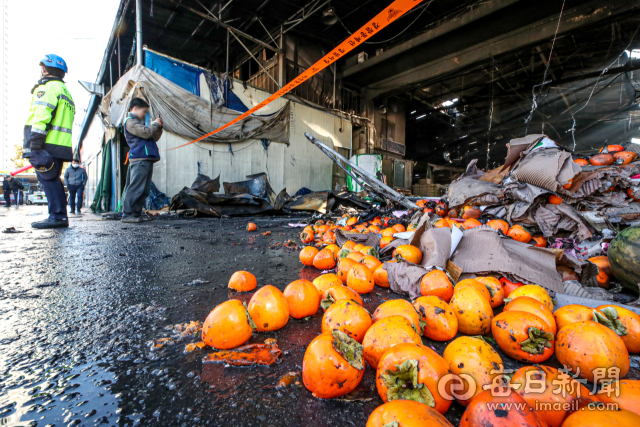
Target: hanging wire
{"points": [[595, 85], [424, 8], [534, 100]]}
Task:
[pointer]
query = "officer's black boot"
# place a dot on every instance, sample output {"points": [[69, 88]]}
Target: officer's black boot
{"points": [[51, 223]]}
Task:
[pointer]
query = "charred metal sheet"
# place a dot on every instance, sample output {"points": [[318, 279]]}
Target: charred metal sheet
{"points": [[371, 183], [204, 184], [256, 185], [310, 202]]}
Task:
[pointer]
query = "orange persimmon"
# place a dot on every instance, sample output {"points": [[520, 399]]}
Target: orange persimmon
{"points": [[242, 281], [339, 293], [332, 365], [406, 413], [269, 309], [360, 279], [349, 317], [438, 319], [385, 334], [229, 325], [307, 254], [436, 283], [302, 298], [519, 233], [523, 336]]}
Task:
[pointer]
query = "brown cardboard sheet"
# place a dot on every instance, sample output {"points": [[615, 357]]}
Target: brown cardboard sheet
{"points": [[516, 148], [482, 250], [469, 188], [548, 168], [370, 239]]}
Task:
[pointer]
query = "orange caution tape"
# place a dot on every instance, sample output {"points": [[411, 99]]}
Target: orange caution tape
{"points": [[394, 11]]}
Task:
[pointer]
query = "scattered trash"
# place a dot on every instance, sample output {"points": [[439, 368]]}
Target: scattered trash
{"points": [[247, 355], [10, 230]]}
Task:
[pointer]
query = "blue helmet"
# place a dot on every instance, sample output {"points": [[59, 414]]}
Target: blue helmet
{"points": [[54, 61]]}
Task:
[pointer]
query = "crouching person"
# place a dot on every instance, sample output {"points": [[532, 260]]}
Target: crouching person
{"points": [[143, 153]]}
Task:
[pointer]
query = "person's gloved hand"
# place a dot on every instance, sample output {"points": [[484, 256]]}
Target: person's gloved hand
{"points": [[37, 141]]}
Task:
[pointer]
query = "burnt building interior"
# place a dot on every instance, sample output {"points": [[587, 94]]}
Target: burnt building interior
{"points": [[446, 83]]}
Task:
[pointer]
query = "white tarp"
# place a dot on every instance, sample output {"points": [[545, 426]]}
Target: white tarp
{"points": [[186, 114]]}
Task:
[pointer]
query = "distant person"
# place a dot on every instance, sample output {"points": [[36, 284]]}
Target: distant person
{"points": [[6, 189], [47, 137], [143, 153], [75, 178], [16, 189]]}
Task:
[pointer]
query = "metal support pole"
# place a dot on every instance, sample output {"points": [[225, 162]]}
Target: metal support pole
{"points": [[253, 56], [139, 60], [282, 57], [119, 62], [227, 82]]}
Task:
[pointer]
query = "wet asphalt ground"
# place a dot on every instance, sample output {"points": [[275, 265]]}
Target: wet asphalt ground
{"points": [[79, 308]]}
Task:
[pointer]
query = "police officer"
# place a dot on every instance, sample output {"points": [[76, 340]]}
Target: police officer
{"points": [[47, 137]]}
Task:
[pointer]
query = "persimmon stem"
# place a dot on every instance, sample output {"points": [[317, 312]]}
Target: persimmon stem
{"points": [[402, 383]]}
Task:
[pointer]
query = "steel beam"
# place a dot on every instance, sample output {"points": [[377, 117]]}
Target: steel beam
{"points": [[227, 26], [535, 33]]}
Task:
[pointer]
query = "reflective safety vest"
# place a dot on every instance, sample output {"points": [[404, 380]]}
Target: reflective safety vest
{"points": [[50, 118]]}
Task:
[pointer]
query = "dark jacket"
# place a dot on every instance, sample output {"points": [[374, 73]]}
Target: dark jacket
{"points": [[16, 185], [76, 177], [142, 139], [6, 186]]}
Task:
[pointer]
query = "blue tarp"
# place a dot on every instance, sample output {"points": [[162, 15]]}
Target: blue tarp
{"points": [[188, 77], [184, 75]]}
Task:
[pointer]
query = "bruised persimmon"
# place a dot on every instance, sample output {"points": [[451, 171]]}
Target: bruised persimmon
{"points": [[334, 250], [539, 241], [369, 250], [471, 223], [356, 256], [332, 365], [329, 237], [374, 229], [349, 317], [499, 224], [442, 209], [385, 241], [307, 254], [324, 260], [381, 277], [399, 228], [412, 372], [406, 413], [535, 292], [371, 262], [269, 309], [242, 281], [442, 223], [475, 364], [302, 299], [325, 281], [601, 159], [572, 313], [495, 289], [251, 227], [624, 393], [349, 244], [624, 322], [344, 266], [504, 409], [519, 233], [360, 279], [339, 293], [624, 157], [604, 270], [601, 417], [436, 283], [479, 286], [453, 213], [388, 232], [227, 326], [509, 286], [352, 221], [408, 253], [471, 212], [535, 307], [473, 311], [307, 236], [439, 322], [554, 200], [386, 333], [546, 387], [591, 350], [523, 336], [581, 162], [398, 307]]}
